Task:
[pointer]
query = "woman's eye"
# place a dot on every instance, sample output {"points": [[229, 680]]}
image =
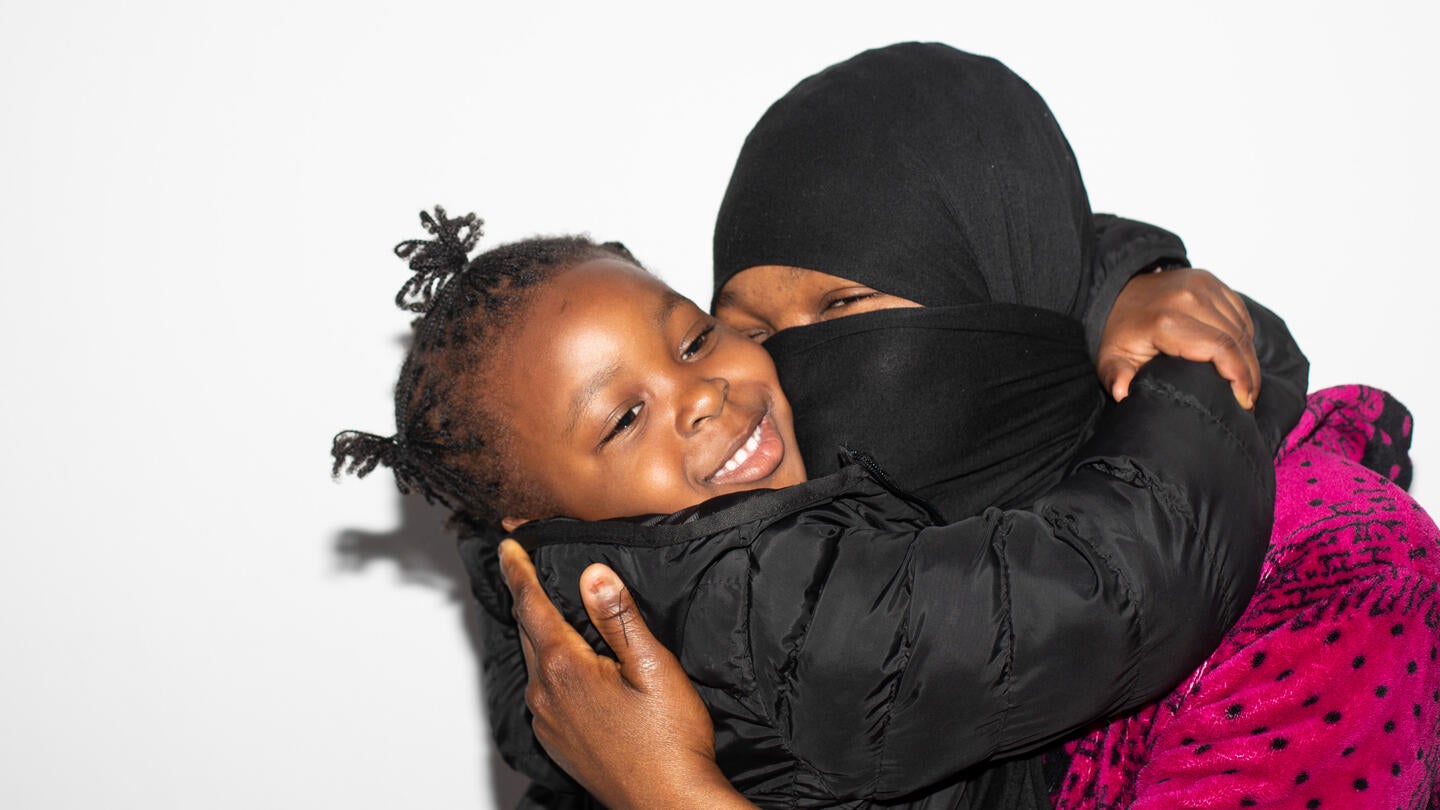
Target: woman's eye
{"points": [[757, 335], [845, 301], [695, 346], [624, 423]]}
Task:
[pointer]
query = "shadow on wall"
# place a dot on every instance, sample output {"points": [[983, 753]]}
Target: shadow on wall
{"points": [[423, 551]]}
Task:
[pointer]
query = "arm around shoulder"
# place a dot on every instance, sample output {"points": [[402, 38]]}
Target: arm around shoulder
{"points": [[1004, 633]]}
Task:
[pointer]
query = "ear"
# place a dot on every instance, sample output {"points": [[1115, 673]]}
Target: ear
{"points": [[510, 524]]}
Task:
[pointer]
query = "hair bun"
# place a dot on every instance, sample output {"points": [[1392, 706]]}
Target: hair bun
{"points": [[359, 453], [436, 261]]}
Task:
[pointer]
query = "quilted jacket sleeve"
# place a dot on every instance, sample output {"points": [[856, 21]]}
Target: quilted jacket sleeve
{"points": [[503, 680], [1284, 375], [920, 654], [1125, 247]]}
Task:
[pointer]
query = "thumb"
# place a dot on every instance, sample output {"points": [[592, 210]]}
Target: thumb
{"points": [[1116, 371], [613, 612]]}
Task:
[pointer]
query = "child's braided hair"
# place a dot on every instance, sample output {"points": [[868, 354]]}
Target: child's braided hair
{"points": [[449, 444]]}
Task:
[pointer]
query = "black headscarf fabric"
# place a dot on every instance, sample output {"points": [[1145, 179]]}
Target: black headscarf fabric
{"points": [[967, 407], [941, 177], [917, 169]]}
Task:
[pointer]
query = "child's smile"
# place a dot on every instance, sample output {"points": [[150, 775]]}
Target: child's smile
{"points": [[625, 398], [762, 451]]}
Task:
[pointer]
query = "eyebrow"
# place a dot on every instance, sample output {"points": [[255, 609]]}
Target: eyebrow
{"points": [[592, 386], [728, 298], [661, 316], [668, 304]]}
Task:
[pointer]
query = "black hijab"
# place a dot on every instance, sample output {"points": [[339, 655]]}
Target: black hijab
{"points": [[930, 173], [941, 177]]}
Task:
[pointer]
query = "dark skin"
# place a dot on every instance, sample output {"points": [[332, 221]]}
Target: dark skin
{"points": [[624, 398], [632, 730], [642, 763]]}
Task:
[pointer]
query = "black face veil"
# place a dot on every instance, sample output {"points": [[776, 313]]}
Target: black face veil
{"points": [[941, 177]]}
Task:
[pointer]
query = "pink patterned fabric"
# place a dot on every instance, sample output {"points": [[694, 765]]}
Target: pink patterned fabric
{"points": [[1326, 693]]}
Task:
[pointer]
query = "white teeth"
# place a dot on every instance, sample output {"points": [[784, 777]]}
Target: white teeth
{"points": [[744, 452]]}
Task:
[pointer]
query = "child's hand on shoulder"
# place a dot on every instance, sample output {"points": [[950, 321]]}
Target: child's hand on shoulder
{"points": [[1185, 313]]}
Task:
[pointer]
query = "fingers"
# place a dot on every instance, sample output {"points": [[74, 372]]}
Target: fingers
{"points": [[613, 612], [550, 643], [1206, 344], [542, 628], [1217, 306], [1247, 342], [1239, 313], [1116, 373], [1185, 313], [513, 564], [1191, 339]]}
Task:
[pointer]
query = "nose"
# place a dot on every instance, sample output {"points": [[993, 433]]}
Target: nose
{"points": [[702, 399]]}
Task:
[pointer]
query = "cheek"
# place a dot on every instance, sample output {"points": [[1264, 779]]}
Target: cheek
{"points": [[651, 481], [743, 323], [795, 314], [566, 476], [747, 361], [644, 477]]}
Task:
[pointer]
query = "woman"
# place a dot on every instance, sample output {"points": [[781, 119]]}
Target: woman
{"points": [[882, 245], [939, 178], [1060, 398]]}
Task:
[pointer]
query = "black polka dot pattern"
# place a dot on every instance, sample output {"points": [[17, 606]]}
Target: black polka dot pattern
{"points": [[1327, 691]]}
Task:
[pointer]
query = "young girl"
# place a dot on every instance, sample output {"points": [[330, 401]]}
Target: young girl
{"points": [[556, 377]]}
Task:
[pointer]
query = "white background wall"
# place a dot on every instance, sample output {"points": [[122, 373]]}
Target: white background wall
{"points": [[197, 202]]}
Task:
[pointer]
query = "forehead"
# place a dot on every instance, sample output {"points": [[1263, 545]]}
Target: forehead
{"points": [[597, 283], [591, 318], [769, 286], [594, 307]]}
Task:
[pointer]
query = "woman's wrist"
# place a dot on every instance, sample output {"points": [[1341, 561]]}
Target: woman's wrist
{"points": [[710, 789]]}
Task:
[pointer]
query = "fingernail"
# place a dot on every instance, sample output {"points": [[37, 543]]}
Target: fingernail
{"points": [[500, 554], [606, 591]]}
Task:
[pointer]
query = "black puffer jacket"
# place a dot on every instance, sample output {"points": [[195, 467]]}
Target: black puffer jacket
{"points": [[855, 648], [851, 650]]}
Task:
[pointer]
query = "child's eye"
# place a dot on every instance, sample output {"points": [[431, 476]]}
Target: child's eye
{"points": [[624, 423], [695, 346]]}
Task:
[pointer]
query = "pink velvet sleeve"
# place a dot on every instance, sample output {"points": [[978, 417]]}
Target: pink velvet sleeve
{"points": [[1326, 693]]}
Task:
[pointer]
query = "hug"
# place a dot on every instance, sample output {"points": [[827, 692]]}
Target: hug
{"points": [[899, 536]]}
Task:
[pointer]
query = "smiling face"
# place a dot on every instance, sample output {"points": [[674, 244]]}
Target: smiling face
{"points": [[624, 398], [760, 301]]}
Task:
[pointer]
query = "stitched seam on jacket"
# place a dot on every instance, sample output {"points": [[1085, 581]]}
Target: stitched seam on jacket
{"points": [[1059, 521], [786, 684], [1162, 494], [1186, 399], [1176, 395], [907, 654], [1000, 544]]}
